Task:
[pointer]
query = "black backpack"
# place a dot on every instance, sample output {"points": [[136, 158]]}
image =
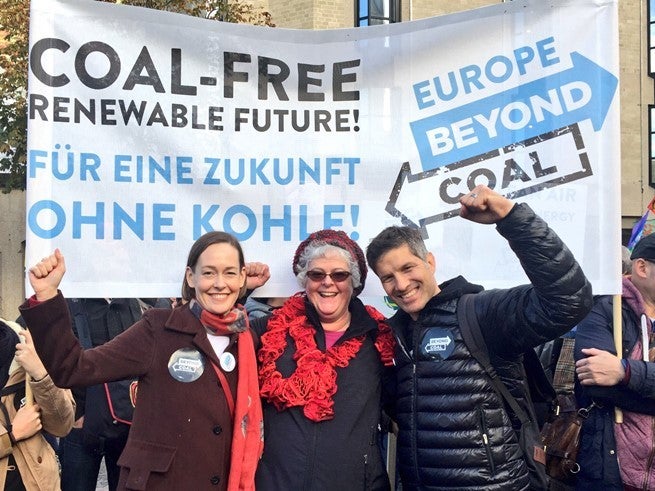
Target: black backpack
{"points": [[540, 389]]}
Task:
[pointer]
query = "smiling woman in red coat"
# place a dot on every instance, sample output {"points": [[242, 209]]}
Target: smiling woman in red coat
{"points": [[198, 420]]}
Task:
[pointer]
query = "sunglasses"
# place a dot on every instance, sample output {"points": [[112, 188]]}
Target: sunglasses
{"points": [[337, 276]]}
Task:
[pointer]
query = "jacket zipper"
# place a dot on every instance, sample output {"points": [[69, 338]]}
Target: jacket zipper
{"points": [[413, 431], [309, 468], [485, 439], [414, 438]]}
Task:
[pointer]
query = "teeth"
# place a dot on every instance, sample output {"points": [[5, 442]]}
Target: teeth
{"points": [[408, 294]]}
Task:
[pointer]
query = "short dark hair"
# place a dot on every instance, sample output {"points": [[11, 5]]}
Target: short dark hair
{"points": [[199, 246], [392, 238]]}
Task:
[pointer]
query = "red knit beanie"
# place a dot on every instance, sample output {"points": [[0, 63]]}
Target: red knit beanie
{"points": [[339, 239]]}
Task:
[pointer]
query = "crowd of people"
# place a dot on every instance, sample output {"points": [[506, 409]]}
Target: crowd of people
{"points": [[299, 393]]}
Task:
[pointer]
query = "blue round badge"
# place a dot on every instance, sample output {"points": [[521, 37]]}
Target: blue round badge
{"points": [[437, 344], [186, 365]]}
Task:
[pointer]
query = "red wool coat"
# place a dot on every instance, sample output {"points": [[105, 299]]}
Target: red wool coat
{"points": [[182, 431]]}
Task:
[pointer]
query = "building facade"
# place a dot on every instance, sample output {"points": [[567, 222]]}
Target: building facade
{"points": [[637, 96]]}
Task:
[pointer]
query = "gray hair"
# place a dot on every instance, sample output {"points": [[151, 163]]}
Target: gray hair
{"points": [[320, 249]]}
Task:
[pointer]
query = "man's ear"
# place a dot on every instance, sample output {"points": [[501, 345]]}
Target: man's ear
{"points": [[432, 261], [639, 267]]}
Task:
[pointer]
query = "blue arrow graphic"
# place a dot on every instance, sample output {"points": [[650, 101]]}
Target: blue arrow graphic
{"points": [[584, 91]]}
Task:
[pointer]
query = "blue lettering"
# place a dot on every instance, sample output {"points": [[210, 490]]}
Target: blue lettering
{"points": [[120, 168], [98, 220], [421, 94], [234, 211], [34, 163], [328, 220], [184, 169], [210, 179], [256, 170], [284, 222], [134, 224], [159, 221], [59, 222], [201, 223]]}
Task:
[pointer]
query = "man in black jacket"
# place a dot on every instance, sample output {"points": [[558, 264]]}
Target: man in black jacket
{"points": [[454, 429]]}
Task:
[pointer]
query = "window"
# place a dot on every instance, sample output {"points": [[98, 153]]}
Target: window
{"points": [[375, 12]]}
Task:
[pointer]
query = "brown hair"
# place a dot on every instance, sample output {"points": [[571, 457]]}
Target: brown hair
{"points": [[199, 246]]}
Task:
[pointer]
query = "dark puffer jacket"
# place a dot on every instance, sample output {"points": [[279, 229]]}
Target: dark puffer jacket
{"points": [[454, 430]]}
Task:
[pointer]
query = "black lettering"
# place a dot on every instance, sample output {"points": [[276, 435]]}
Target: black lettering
{"points": [[144, 62], [265, 78], [38, 103], [176, 75], [40, 47], [229, 75], [304, 81], [539, 171], [114, 65], [472, 180], [443, 191], [513, 171], [339, 78]]}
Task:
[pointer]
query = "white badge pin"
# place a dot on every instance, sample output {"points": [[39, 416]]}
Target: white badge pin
{"points": [[228, 361]]}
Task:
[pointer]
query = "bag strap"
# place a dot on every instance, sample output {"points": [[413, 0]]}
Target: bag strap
{"points": [[472, 335], [12, 389], [81, 323]]}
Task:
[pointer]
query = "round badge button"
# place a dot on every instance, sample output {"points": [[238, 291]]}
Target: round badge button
{"points": [[186, 365], [228, 361]]}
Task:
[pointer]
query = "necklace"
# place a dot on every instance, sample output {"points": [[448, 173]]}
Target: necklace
{"points": [[314, 382]]}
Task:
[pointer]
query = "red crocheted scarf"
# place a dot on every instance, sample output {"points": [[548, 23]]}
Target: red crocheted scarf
{"points": [[314, 382]]}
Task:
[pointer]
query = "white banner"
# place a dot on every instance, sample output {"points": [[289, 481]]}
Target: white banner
{"points": [[147, 129]]}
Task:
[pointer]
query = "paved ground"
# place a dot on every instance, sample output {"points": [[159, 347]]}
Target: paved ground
{"points": [[101, 485]]}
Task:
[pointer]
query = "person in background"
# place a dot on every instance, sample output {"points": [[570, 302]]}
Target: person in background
{"points": [[263, 306], [455, 431], [27, 460], [197, 422], [626, 261], [322, 358], [619, 456], [96, 435]]}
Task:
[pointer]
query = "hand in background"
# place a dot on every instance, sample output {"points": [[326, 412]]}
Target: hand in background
{"points": [[27, 358], [27, 422], [599, 368]]}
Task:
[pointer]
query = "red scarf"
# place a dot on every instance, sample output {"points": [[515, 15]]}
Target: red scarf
{"points": [[314, 382], [247, 433]]}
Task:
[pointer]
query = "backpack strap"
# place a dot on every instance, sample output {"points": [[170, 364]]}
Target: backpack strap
{"points": [[12, 389], [472, 335]]}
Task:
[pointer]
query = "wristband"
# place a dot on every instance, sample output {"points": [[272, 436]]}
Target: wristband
{"points": [[626, 369]]}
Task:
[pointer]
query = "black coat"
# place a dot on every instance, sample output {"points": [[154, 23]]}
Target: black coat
{"points": [[342, 453], [444, 406]]}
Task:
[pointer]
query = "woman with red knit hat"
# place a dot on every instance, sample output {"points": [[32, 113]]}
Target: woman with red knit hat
{"points": [[322, 358]]}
